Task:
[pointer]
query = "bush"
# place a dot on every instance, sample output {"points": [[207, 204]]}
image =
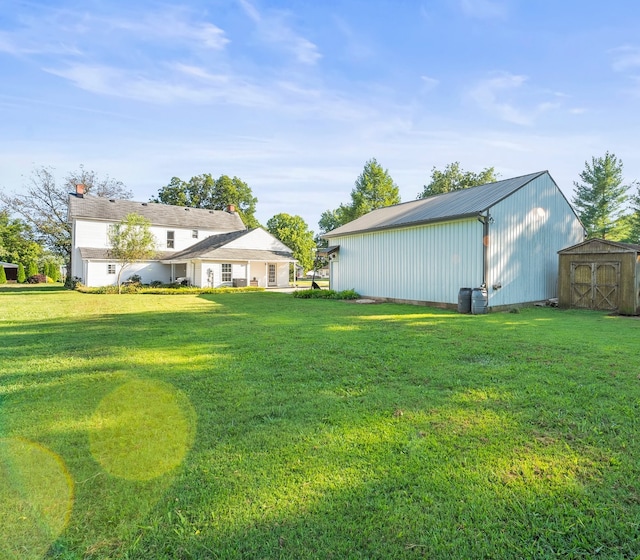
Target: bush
{"points": [[37, 279], [3, 275], [21, 274], [326, 294], [72, 282], [32, 270]]}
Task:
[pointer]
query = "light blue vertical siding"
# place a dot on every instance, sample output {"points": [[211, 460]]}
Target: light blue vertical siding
{"points": [[432, 262], [528, 229], [426, 263]]}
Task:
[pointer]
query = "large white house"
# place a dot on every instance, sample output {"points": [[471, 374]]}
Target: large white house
{"points": [[205, 248], [503, 235]]}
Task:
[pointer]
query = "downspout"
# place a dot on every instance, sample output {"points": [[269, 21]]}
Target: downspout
{"points": [[485, 219]]}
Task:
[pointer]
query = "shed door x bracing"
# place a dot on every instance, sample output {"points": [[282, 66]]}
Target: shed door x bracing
{"points": [[595, 285]]}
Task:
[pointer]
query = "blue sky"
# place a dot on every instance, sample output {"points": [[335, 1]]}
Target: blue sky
{"points": [[294, 96]]}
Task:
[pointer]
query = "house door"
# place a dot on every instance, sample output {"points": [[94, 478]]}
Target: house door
{"points": [[595, 285], [272, 275]]}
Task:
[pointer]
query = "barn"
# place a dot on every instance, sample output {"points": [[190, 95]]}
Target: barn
{"points": [[503, 235], [600, 274]]}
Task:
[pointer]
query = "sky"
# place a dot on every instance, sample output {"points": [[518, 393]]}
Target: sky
{"points": [[295, 96]]}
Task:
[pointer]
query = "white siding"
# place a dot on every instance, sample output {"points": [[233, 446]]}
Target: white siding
{"points": [[528, 229], [95, 273], [258, 239], [89, 233], [426, 263]]}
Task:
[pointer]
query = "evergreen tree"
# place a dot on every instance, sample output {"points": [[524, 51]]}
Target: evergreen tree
{"points": [[374, 188], [3, 275], [600, 197], [21, 274], [32, 269]]}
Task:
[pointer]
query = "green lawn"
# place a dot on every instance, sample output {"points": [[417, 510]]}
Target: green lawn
{"points": [[258, 425]]}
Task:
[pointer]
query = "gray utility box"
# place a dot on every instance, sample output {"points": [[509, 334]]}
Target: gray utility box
{"points": [[239, 282]]}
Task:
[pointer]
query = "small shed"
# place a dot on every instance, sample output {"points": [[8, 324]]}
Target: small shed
{"points": [[600, 274], [10, 270]]}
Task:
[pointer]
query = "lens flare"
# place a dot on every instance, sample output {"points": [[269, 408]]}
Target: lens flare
{"points": [[36, 498], [142, 430]]}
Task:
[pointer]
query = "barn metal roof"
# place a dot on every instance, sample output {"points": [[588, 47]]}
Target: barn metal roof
{"points": [[114, 210], [437, 208]]}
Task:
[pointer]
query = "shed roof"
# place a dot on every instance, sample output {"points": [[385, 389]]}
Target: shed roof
{"points": [[99, 208], [8, 265], [438, 208], [600, 246]]}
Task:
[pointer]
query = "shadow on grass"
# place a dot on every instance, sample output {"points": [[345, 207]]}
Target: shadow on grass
{"points": [[20, 289], [333, 430]]}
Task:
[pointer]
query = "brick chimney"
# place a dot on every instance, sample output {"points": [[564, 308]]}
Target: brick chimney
{"points": [[231, 208], [80, 190]]}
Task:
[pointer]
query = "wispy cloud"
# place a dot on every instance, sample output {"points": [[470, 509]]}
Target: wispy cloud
{"points": [[428, 84], [273, 28], [504, 95], [626, 58], [484, 9]]}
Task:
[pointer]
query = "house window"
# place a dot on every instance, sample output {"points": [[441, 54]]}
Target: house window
{"points": [[226, 272], [111, 269], [170, 239], [194, 233]]}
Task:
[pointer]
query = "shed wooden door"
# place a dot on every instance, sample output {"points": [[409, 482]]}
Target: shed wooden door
{"points": [[595, 285]]}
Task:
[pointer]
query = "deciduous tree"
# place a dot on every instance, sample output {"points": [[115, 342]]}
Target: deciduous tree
{"points": [[453, 178], [42, 204], [131, 241], [294, 233], [600, 197], [203, 191]]}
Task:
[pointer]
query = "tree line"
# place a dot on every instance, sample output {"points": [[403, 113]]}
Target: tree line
{"points": [[35, 233]]}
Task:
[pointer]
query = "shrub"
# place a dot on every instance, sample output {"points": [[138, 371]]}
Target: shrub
{"points": [[32, 270], [21, 274], [72, 282], [326, 294], [37, 279], [155, 283], [135, 279], [3, 275]]}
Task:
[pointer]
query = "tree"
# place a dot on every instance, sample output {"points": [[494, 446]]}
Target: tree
{"points": [[203, 191], [453, 178], [131, 241], [16, 241], [632, 220], [32, 269], [294, 233], [3, 275], [601, 196], [21, 274], [374, 188], [42, 204]]}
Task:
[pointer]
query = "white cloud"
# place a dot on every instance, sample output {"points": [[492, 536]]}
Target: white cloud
{"points": [[428, 84], [274, 29], [484, 9], [489, 95], [626, 58]]}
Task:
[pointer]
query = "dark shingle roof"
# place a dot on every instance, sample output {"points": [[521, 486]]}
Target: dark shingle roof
{"points": [[98, 208], [213, 248], [91, 253], [441, 207]]}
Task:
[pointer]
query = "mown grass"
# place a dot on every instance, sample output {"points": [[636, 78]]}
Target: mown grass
{"points": [[258, 425]]}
